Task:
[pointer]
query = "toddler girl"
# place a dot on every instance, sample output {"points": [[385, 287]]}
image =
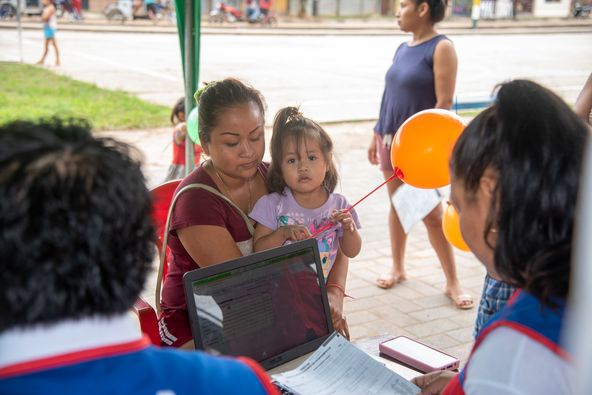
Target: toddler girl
{"points": [[302, 178]]}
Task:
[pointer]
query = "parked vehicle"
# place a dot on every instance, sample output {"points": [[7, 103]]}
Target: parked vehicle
{"points": [[119, 11], [225, 13], [123, 10], [28, 7], [266, 20], [63, 7], [581, 11], [34, 7]]}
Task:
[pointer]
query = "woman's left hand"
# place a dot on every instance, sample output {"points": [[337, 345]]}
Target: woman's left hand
{"points": [[433, 383]]}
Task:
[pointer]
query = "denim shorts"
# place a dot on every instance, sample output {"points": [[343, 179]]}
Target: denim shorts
{"points": [[494, 297]]}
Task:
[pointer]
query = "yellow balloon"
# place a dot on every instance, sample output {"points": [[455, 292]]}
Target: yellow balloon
{"points": [[422, 148], [451, 228]]}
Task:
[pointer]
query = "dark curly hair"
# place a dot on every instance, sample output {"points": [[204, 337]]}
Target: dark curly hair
{"points": [[535, 144], [290, 123], [76, 236]]}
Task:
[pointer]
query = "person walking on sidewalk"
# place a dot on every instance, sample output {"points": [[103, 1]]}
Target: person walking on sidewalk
{"points": [[422, 76], [50, 25]]}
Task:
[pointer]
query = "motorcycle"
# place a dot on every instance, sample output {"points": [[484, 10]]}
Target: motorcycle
{"points": [[123, 10], [225, 13], [28, 7], [581, 11], [63, 7], [266, 20], [119, 12]]}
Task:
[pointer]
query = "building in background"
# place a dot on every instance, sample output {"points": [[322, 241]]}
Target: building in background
{"points": [[505, 9], [490, 9]]}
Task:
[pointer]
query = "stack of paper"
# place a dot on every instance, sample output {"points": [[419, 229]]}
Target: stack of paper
{"points": [[339, 367]]}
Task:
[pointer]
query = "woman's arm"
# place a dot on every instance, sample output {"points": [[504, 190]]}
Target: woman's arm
{"points": [[373, 151], [583, 104], [208, 244], [445, 67]]}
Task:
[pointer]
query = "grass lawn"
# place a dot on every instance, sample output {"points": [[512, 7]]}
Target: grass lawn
{"points": [[29, 92]]}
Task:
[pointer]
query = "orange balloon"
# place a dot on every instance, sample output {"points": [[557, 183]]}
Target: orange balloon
{"points": [[422, 148], [451, 228]]}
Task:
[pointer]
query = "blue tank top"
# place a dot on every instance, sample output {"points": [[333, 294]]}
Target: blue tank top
{"points": [[409, 85]]}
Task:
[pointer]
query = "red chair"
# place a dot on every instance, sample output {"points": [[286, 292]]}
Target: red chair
{"points": [[162, 195]]}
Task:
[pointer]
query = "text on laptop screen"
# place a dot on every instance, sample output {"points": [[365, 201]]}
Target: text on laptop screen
{"points": [[262, 309]]}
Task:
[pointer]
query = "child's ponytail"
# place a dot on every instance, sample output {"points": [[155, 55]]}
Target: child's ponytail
{"points": [[285, 118]]}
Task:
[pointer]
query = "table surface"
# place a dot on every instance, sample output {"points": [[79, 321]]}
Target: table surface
{"points": [[370, 347]]}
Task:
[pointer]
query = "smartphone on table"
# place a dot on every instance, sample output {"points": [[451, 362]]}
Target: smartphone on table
{"points": [[418, 355]]}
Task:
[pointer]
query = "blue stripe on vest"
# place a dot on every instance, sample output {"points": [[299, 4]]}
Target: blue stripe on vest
{"points": [[526, 310]]}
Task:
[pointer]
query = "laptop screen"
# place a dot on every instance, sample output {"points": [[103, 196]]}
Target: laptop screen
{"points": [[270, 306]]}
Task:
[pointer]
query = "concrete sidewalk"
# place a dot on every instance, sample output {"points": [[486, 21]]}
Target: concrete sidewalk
{"points": [[295, 26], [416, 308]]}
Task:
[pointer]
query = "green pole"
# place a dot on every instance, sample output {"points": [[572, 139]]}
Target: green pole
{"points": [[189, 25]]}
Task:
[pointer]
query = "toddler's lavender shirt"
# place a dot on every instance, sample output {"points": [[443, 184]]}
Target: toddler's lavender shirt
{"points": [[275, 210]]}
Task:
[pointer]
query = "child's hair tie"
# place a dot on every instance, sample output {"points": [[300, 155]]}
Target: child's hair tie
{"points": [[204, 87], [295, 115]]}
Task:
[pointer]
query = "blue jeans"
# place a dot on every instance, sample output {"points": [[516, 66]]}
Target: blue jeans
{"points": [[494, 297]]}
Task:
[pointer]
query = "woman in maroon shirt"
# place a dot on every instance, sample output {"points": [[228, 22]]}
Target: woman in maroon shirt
{"points": [[206, 225]]}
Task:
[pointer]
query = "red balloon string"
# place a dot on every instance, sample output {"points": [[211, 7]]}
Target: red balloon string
{"points": [[329, 225]]}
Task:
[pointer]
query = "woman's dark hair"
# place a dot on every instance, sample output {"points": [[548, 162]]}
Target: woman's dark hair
{"points": [[77, 238], [178, 108], [437, 9], [289, 123], [220, 95], [535, 144]]}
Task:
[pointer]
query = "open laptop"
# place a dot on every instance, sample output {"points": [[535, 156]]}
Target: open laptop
{"points": [[270, 306]]}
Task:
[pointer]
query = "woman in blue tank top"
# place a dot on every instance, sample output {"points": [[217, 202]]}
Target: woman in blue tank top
{"points": [[422, 76]]}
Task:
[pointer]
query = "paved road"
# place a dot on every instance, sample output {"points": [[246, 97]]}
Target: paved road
{"points": [[334, 78]]}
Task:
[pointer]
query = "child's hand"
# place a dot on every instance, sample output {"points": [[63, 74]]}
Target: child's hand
{"points": [[294, 232], [344, 218], [179, 132], [181, 128]]}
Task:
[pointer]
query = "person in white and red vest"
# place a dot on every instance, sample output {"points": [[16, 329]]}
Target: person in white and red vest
{"points": [[515, 173]]}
